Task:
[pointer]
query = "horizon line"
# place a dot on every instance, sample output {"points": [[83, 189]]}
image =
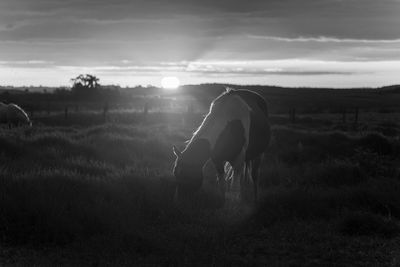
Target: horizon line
{"points": [[16, 87]]}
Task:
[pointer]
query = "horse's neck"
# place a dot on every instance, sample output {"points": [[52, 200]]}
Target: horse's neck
{"points": [[234, 109], [198, 151], [211, 132]]}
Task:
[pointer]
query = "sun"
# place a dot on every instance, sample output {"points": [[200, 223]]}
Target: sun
{"points": [[170, 83]]}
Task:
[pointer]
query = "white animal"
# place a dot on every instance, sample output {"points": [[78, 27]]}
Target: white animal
{"points": [[13, 115]]}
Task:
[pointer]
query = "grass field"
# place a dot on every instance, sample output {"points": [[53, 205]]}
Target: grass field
{"points": [[78, 192]]}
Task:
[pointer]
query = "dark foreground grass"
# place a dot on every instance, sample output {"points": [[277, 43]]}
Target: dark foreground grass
{"points": [[101, 195]]}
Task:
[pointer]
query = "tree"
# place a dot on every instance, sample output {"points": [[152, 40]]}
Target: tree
{"points": [[87, 81], [92, 81], [85, 86]]}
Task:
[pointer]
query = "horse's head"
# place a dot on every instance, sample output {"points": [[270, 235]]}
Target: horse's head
{"points": [[188, 167], [25, 121], [188, 173]]}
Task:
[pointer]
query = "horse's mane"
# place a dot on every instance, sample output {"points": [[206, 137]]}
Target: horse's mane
{"points": [[211, 115]]}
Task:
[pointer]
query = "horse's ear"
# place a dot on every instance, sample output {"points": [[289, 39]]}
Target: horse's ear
{"points": [[176, 151]]}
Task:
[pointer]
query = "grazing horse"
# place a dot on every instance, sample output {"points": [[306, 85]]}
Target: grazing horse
{"points": [[13, 115], [236, 130]]}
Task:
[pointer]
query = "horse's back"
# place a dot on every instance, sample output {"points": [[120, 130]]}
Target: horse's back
{"points": [[15, 114], [254, 100]]}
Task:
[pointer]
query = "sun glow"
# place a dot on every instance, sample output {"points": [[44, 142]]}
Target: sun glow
{"points": [[170, 83]]}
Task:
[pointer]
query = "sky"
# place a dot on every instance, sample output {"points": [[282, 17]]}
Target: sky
{"points": [[317, 43]]}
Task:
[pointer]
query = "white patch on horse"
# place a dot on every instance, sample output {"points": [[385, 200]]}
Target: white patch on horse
{"points": [[229, 109]]}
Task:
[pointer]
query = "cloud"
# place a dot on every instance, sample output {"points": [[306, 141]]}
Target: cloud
{"points": [[324, 39], [262, 68], [328, 15], [210, 68], [124, 37], [25, 63], [277, 72]]}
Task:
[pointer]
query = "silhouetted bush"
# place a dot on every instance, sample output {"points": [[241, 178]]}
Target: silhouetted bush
{"points": [[376, 143], [362, 223], [335, 173]]}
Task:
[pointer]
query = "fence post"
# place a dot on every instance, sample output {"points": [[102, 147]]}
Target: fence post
{"points": [[356, 117], [146, 108], [344, 116], [105, 111], [66, 112], [293, 115]]}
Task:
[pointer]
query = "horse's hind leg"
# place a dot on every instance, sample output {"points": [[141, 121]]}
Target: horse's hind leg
{"points": [[244, 182]]}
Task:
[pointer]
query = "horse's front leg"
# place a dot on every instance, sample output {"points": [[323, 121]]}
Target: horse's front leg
{"points": [[243, 178], [219, 166], [239, 174]]}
